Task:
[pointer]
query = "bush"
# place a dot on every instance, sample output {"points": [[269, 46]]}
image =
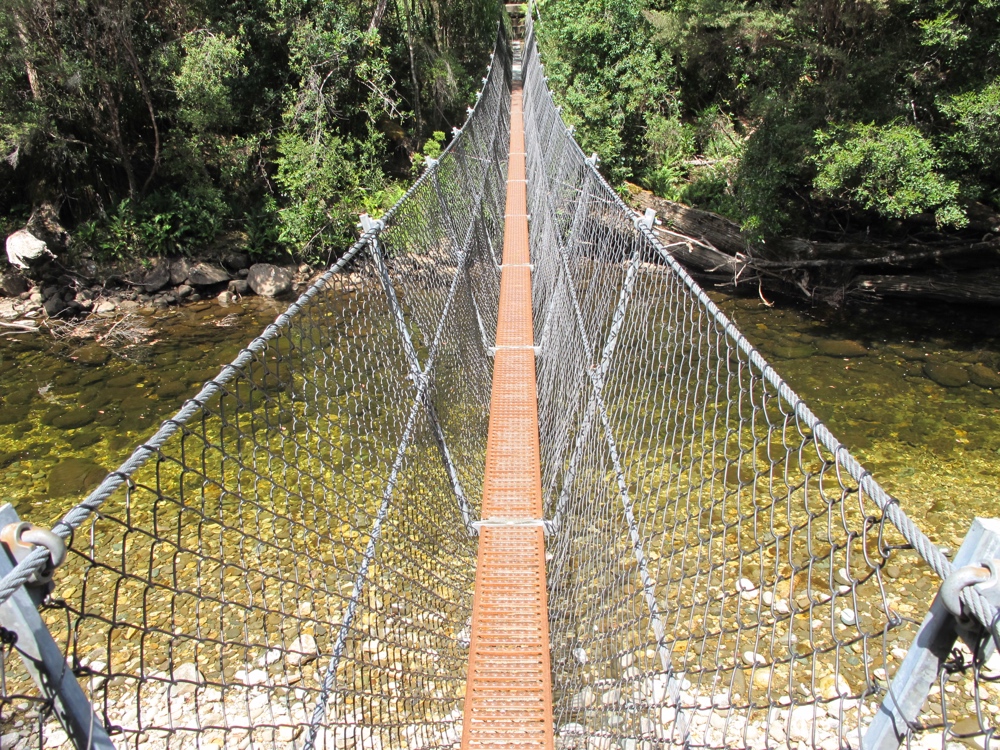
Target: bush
{"points": [[890, 169]]}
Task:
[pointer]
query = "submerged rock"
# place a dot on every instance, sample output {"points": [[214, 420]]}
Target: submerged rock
{"points": [[949, 376], [74, 476], [984, 376], [92, 354], [844, 348]]}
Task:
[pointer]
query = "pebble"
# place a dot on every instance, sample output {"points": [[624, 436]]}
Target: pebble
{"points": [[584, 699], [848, 617], [580, 654], [892, 571], [745, 584], [751, 658]]}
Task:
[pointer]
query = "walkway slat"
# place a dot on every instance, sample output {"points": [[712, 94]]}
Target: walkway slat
{"points": [[508, 698]]}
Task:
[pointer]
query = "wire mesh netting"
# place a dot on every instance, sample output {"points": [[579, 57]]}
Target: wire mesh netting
{"points": [[290, 561], [718, 573], [293, 563]]}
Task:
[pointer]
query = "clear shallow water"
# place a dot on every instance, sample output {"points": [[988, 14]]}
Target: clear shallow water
{"points": [[64, 422], [936, 448]]}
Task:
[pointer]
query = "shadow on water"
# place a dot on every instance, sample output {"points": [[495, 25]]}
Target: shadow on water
{"points": [[912, 390]]}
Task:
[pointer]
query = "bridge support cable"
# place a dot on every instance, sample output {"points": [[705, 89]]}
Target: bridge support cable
{"points": [[595, 405], [508, 699]]}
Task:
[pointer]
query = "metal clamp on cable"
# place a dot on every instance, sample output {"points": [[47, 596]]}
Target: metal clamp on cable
{"points": [[368, 224], [983, 576], [21, 539]]}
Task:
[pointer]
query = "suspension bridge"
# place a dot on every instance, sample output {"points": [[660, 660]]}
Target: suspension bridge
{"points": [[503, 477]]}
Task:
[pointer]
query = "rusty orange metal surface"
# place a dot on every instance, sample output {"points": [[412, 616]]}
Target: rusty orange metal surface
{"points": [[508, 698]]}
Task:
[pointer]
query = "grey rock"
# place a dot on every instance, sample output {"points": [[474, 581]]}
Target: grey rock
{"points": [[25, 250], [157, 277], [226, 298], [13, 284], [179, 270], [269, 281], [105, 306], [235, 261], [186, 678], [128, 305], [50, 291], [205, 274], [54, 305], [243, 273], [183, 291], [239, 286]]}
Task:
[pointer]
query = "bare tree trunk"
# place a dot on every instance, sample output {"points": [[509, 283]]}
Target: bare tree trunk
{"points": [[408, 12], [377, 15], [29, 66]]}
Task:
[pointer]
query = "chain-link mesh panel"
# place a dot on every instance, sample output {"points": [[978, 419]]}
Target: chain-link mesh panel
{"points": [[290, 560], [718, 567]]}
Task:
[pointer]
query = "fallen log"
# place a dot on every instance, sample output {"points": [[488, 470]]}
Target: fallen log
{"points": [[831, 272]]}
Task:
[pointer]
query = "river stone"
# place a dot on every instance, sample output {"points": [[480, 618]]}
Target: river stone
{"points": [[303, 650], [984, 376], [72, 419], [172, 389], [205, 274], [13, 414], [239, 287], [268, 280], [13, 284], [787, 350], [844, 348], [949, 376], [92, 354], [179, 270], [25, 250], [83, 440], [235, 261], [157, 276], [74, 476]]}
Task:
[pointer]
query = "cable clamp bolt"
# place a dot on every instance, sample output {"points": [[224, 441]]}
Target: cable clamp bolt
{"points": [[982, 576], [22, 537]]}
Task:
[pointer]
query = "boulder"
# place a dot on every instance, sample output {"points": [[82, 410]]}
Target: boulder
{"points": [[984, 377], [74, 476], [13, 284], [205, 274], [179, 270], [239, 287], [235, 261], [949, 376], [269, 281], [54, 305], [157, 276], [25, 250], [840, 349]]}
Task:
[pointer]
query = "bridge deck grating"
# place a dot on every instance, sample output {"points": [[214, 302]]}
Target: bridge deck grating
{"points": [[508, 699]]}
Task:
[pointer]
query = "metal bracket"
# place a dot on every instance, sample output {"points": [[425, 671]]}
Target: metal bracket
{"points": [[43, 658], [594, 159], [647, 220], [22, 537], [368, 224], [933, 642]]}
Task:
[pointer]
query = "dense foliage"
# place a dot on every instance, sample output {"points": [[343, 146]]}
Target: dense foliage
{"points": [[788, 115], [151, 127]]}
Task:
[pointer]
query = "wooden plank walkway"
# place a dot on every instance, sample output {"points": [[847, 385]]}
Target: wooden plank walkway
{"points": [[508, 698]]}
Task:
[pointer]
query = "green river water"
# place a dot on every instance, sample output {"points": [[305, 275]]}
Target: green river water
{"points": [[874, 376]]}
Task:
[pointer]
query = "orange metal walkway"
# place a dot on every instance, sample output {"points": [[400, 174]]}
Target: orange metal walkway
{"points": [[508, 698]]}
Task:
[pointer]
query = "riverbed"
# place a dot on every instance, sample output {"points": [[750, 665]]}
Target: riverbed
{"points": [[874, 376]]}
